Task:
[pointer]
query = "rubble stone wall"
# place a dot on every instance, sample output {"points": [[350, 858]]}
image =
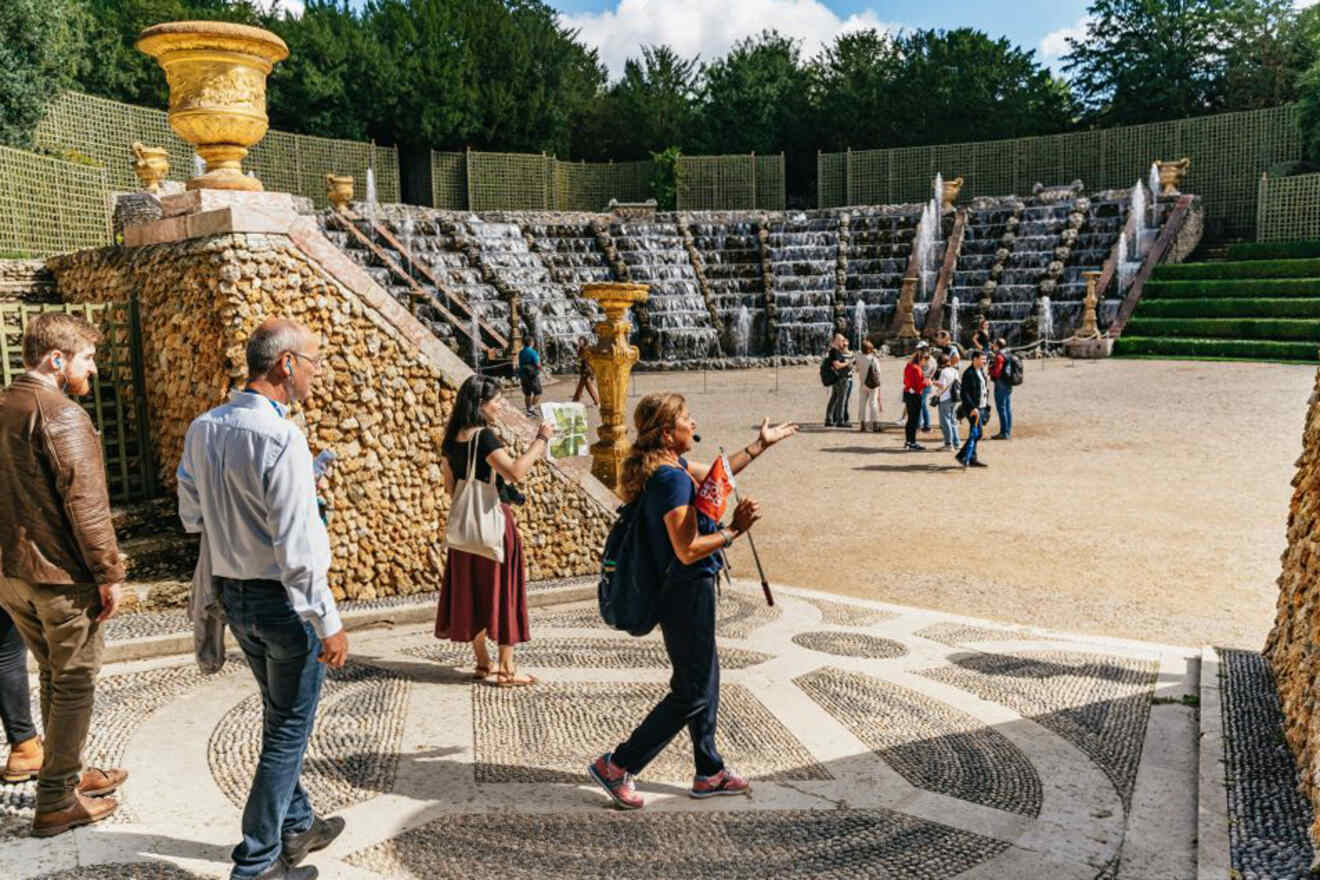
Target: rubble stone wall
{"points": [[26, 281], [1293, 646], [382, 403]]}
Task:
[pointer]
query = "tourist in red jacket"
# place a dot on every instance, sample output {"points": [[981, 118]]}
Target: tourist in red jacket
{"points": [[914, 382]]}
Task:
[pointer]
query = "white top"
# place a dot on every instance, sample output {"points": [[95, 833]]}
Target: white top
{"points": [[246, 482], [861, 364], [985, 388], [945, 380]]}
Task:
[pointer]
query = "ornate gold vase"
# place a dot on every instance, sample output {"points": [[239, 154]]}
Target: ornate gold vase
{"points": [[951, 190], [1090, 328], [339, 190], [1171, 175], [151, 165], [217, 77], [612, 359]]}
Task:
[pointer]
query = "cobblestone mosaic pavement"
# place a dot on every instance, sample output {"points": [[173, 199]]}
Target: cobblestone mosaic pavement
{"points": [[1267, 815], [874, 750]]}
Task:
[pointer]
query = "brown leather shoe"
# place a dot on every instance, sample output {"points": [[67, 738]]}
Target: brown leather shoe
{"points": [[96, 782], [24, 761], [83, 811]]}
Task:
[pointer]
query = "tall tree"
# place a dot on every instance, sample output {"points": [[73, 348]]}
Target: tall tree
{"points": [[652, 107], [853, 91], [40, 50], [1147, 60], [1272, 45], [755, 97]]}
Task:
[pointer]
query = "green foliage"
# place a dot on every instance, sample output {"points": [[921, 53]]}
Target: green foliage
{"points": [[653, 105], [1233, 288], [1247, 307], [1268, 268], [1308, 112], [1225, 328], [41, 47], [1274, 250], [664, 179], [1237, 349]]}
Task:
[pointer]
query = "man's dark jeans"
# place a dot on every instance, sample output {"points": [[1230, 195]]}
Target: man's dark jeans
{"points": [[836, 411], [15, 699], [281, 648], [968, 452], [1004, 406], [687, 621]]}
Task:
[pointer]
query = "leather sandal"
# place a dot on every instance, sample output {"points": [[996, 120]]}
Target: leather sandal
{"points": [[481, 673], [512, 679]]}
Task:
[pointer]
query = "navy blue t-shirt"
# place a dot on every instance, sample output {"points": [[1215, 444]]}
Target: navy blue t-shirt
{"points": [[669, 488]]}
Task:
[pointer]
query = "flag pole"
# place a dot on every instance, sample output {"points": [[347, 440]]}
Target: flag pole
{"points": [[765, 584]]}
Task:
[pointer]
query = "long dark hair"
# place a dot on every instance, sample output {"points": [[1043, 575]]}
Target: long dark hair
{"points": [[655, 414], [475, 393]]}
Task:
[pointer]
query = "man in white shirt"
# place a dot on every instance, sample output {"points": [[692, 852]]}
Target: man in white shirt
{"points": [[246, 483]]}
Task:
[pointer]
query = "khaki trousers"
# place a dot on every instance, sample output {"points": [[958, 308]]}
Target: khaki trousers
{"points": [[57, 624]]}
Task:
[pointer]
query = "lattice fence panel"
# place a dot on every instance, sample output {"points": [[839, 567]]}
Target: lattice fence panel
{"points": [[771, 188], [589, 186], [948, 160], [510, 181], [831, 180], [716, 183], [449, 180], [868, 176], [115, 405], [1228, 152], [1289, 208], [105, 130], [48, 206]]}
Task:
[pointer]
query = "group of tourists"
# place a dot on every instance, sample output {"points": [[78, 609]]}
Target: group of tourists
{"points": [[247, 484], [529, 371], [934, 377]]}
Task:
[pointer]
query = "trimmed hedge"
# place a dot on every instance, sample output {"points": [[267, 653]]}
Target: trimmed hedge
{"points": [[1226, 328], [1254, 287], [1229, 307], [1309, 268], [1247, 349], [1274, 250]]}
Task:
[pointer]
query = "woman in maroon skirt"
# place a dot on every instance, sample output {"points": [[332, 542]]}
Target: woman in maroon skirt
{"points": [[483, 598]]}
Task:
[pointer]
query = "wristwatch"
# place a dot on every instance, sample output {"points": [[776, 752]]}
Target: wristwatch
{"points": [[728, 537]]}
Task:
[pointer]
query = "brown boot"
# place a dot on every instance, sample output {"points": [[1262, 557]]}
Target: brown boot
{"points": [[96, 782], [24, 761], [83, 811]]}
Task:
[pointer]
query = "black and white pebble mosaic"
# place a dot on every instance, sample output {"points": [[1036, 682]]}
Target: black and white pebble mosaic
{"points": [[1267, 814], [843, 614], [1099, 703], [737, 615], [931, 744], [125, 871], [353, 754], [580, 652], [850, 645], [551, 732], [954, 634], [841, 844]]}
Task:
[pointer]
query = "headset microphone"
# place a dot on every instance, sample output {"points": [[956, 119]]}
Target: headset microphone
{"points": [[696, 438]]}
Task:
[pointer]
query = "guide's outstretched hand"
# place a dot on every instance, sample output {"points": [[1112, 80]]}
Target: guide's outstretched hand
{"points": [[772, 434]]}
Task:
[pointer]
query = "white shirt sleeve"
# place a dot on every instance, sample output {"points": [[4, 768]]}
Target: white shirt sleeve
{"points": [[190, 502], [298, 537]]}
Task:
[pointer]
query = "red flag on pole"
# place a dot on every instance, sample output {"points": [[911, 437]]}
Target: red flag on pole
{"points": [[714, 491]]}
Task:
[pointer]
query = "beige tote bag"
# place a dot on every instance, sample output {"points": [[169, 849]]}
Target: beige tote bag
{"points": [[476, 520]]}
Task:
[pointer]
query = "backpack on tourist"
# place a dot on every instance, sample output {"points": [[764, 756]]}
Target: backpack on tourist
{"points": [[1013, 366], [828, 375], [629, 588], [872, 379]]}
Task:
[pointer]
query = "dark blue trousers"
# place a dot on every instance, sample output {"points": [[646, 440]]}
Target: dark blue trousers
{"points": [[15, 700], [687, 620]]}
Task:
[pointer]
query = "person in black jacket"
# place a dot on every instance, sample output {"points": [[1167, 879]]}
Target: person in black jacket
{"points": [[975, 395]]}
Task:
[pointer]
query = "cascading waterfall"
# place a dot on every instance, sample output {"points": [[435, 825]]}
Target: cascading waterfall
{"points": [[859, 321], [371, 200], [742, 331], [953, 322], [1045, 323], [1154, 192], [476, 337], [406, 229], [199, 166], [1138, 210]]}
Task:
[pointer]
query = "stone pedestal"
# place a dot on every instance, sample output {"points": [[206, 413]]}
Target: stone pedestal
{"points": [[203, 212], [906, 341], [1096, 347], [612, 359]]}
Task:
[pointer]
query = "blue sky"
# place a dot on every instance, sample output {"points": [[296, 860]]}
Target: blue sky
{"points": [[618, 27]]}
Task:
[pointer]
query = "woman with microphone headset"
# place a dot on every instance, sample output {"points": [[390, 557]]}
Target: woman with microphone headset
{"points": [[685, 544]]}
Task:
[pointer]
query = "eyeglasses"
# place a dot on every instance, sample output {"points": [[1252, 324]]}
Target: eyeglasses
{"points": [[314, 361]]}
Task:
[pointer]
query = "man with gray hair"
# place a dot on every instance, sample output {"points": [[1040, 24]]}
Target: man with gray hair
{"points": [[246, 483]]}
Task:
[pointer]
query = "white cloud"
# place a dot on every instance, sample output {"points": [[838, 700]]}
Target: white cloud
{"points": [[1054, 45], [694, 27]]}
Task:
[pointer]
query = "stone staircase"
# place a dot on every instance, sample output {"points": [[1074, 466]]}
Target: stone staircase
{"points": [[1261, 303], [27, 281], [877, 246], [731, 254]]}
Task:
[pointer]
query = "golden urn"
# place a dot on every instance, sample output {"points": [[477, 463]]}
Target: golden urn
{"points": [[612, 359], [1090, 328], [151, 165], [217, 77], [1171, 174], [339, 190], [950, 194]]}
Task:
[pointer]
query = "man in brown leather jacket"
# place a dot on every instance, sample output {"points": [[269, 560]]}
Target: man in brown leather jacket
{"points": [[60, 569]]}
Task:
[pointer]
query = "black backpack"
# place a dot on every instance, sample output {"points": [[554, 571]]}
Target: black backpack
{"points": [[828, 375], [630, 588], [1014, 363]]}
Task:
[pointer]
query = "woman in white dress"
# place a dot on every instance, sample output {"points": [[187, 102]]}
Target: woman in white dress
{"points": [[867, 367]]}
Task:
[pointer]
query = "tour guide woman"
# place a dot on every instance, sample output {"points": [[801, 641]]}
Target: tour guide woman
{"points": [[481, 597], [685, 543]]}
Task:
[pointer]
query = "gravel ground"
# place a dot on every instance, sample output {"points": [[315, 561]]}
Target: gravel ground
{"points": [[1143, 499]]}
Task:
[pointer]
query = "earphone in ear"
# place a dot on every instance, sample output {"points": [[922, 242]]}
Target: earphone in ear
{"points": [[288, 365], [59, 362]]}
